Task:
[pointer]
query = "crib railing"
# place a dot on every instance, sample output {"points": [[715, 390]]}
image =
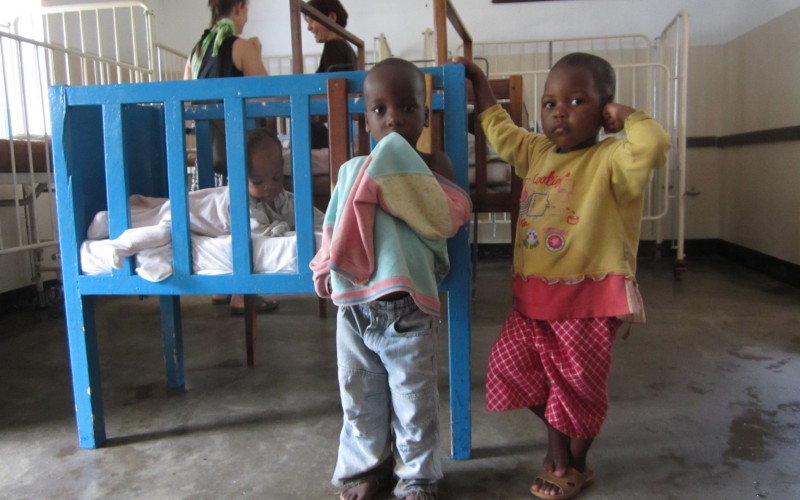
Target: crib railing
{"points": [[98, 167], [651, 76], [111, 31], [282, 64], [381, 48], [169, 63]]}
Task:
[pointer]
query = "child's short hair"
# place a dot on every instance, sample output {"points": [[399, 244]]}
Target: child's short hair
{"points": [[602, 73], [261, 137], [404, 66], [328, 6]]}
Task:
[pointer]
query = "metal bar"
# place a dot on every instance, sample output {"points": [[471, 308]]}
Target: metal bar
{"points": [[682, 121], [26, 248], [116, 44]]}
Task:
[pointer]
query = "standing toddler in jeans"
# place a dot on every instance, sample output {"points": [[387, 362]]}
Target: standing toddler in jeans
{"points": [[383, 253], [574, 256]]}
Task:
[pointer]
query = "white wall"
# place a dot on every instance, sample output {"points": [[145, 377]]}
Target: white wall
{"points": [[713, 21], [748, 194], [760, 205]]}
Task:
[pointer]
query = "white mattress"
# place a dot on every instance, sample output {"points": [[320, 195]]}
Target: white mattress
{"points": [[271, 254]]}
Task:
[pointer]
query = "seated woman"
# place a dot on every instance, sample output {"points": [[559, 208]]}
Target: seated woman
{"points": [[271, 211], [337, 55]]}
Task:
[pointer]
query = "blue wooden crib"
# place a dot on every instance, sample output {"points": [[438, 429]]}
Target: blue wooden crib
{"points": [[116, 140]]}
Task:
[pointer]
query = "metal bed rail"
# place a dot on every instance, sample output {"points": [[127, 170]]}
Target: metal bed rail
{"points": [[87, 44]]}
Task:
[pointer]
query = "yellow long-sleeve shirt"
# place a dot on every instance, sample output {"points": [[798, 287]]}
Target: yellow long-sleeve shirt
{"points": [[580, 214]]}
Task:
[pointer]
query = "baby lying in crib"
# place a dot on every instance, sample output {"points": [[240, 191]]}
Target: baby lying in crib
{"points": [[271, 211]]}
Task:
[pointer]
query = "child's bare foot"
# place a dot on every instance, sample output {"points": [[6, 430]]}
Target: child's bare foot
{"points": [[361, 491], [220, 299], [558, 456]]}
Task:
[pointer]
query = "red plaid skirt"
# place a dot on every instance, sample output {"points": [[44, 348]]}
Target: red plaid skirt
{"points": [[563, 365]]}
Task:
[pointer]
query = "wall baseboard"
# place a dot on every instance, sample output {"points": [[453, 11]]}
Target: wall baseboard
{"points": [[781, 270], [778, 269], [782, 134], [27, 298]]}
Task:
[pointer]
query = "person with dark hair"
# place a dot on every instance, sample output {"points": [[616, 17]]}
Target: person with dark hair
{"points": [[337, 54], [574, 265], [383, 252]]}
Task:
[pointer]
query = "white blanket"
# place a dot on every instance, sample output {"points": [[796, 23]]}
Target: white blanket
{"points": [[149, 238], [210, 255]]}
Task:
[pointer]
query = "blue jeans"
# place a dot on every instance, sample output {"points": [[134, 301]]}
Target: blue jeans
{"points": [[386, 353]]}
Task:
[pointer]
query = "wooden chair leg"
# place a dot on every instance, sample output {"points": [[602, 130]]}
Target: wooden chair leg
{"points": [[323, 309], [474, 253], [250, 326]]}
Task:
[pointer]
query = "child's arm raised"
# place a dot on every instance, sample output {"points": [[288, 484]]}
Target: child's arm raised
{"points": [[644, 148], [614, 115], [484, 97]]}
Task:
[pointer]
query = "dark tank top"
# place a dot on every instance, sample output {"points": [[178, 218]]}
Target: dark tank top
{"points": [[221, 65]]}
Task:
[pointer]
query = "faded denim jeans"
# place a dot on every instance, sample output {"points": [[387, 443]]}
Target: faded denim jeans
{"points": [[386, 352]]}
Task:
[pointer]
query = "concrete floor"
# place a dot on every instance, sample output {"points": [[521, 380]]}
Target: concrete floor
{"points": [[705, 401]]}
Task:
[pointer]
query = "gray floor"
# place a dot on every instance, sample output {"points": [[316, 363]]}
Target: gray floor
{"points": [[705, 401]]}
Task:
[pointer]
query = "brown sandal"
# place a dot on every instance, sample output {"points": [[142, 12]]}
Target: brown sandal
{"points": [[572, 483], [263, 306]]}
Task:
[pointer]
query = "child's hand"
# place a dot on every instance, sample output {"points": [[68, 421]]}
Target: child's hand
{"points": [[471, 70], [484, 98], [614, 116]]}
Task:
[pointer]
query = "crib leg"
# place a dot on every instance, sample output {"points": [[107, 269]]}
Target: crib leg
{"points": [[85, 367], [172, 333], [459, 303], [323, 308]]}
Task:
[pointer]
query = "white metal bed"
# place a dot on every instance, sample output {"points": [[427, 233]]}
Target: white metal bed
{"points": [[86, 44], [282, 64], [651, 76]]}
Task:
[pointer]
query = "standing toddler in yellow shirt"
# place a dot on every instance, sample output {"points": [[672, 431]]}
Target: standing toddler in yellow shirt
{"points": [[574, 256]]}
